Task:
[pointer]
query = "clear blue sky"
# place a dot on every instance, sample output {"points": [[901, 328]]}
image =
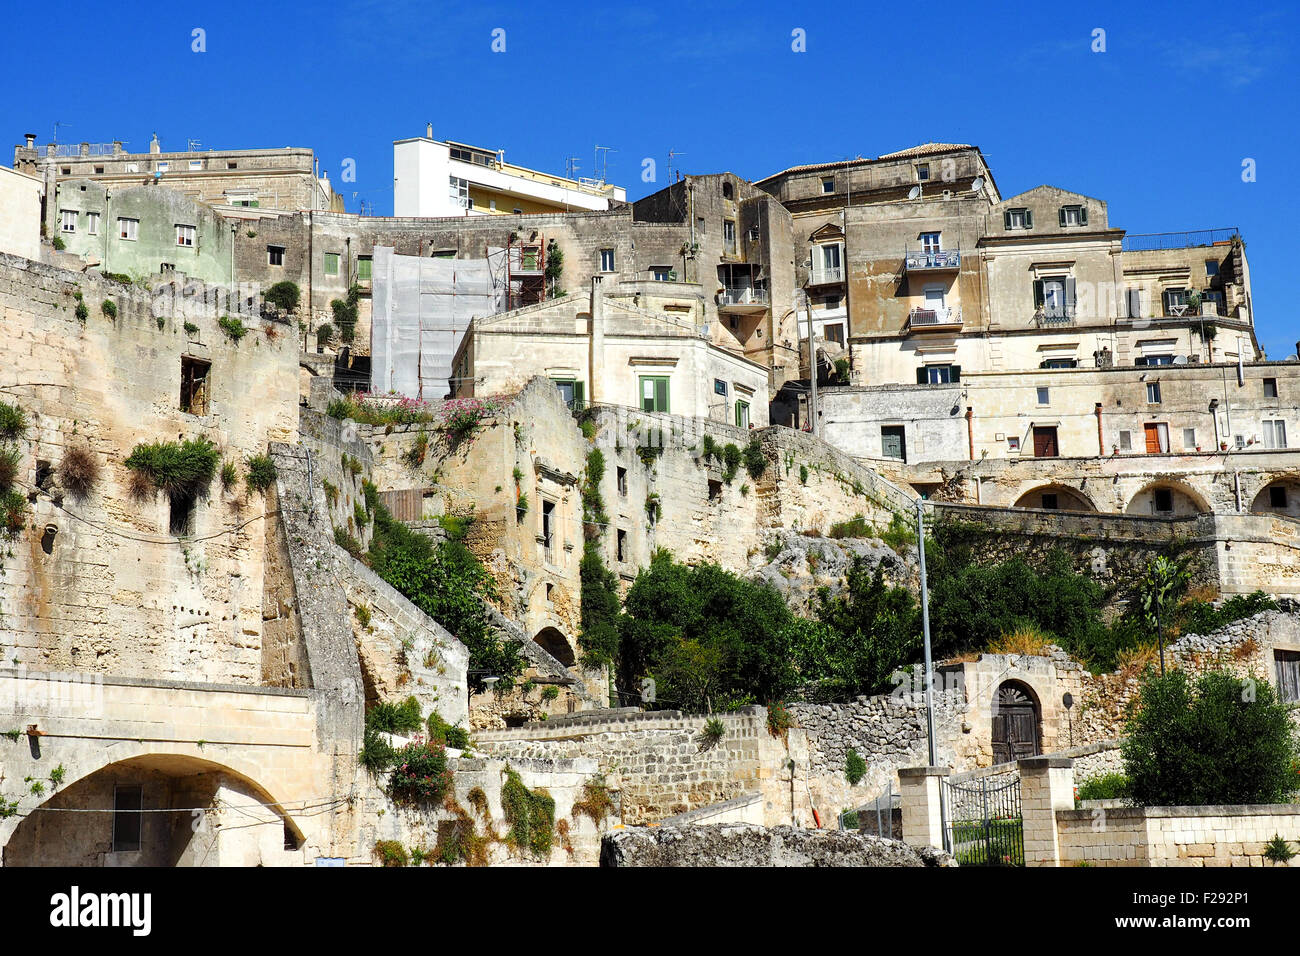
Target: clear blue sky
{"points": [[1158, 125]]}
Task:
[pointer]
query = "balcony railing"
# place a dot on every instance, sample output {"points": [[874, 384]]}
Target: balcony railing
{"points": [[1054, 317], [1178, 240], [934, 318], [756, 297], [827, 275], [931, 260]]}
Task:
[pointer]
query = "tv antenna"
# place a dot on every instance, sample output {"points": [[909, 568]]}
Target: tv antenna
{"points": [[57, 124], [194, 145], [571, 167], [672, 154], [601, 164]]}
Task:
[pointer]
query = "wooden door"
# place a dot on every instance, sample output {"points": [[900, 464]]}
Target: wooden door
{"points": [[1045, 441], [1015, 725], [1153, 439]]}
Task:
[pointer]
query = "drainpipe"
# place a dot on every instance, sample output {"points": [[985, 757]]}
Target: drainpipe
{"points": [[1101, 439], [1236, 487], [970, 430]]}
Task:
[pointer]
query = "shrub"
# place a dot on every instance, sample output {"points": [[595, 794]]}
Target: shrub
{"points": [[1026, 639], [855, 527], [1278, 851], [530, 815], [521, 505], [190, 328], [779, 719], [400, 718], [13, 512], [13, 422], [120, 277], [58, 243], [444, 733], [550, 692], [324, 333], [81, 312], [362, 612], [855, 768], [182, 469], [391, 853], [731, 458], [596, 803], [755, 460], [9, 460], [419, 450], [1107, 786], [283, 295], [420, 773], [598, 634], [803, 474], [653, 508], [345, 313], [261, 473], [1219, 740], [714, 730], [234, 328], [109, 308], [345, 540], [370, 409], [79, 471], [229, 475], [899, 535]]}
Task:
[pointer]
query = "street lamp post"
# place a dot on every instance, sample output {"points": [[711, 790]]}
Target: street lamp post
{"points": [[925, 628]]}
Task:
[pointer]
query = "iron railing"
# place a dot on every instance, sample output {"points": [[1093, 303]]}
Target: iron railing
{"points": [[933, 317], [1179, 240], [931, 260], [827, 275], [743, 297], [1048, 318]]}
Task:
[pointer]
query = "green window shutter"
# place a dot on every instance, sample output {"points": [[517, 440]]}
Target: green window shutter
{"points": [[922, 377], [1029, 219], [661, 395], [1060, 214], [579, 392], [1083, 215], [1038, 294], [1006, 219], [954, 373]]}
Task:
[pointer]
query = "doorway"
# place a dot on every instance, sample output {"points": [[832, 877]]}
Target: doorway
{"points": [[1017, 729]]}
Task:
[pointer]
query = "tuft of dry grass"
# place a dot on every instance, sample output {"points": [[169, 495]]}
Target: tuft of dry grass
{"points": [[79, 472], [1134, 660], [1025, 640], [1245, 650], [1202, 592], [140, 485], [970, 657]]}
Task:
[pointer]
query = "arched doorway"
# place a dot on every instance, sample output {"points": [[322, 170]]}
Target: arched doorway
{"points": [[556, 644], [1017, 723], [1054, 498], [1280, 496], [1168, 499]]}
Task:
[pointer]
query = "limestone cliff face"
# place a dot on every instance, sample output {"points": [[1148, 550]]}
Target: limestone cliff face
{"points": [[798, 565]]}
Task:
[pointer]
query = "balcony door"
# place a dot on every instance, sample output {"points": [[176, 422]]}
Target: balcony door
{"points": [[1045, 445], [936, 300]]}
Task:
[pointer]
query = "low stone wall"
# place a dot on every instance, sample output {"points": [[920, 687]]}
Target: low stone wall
{"points": [[739, 844], [1174, 836]]}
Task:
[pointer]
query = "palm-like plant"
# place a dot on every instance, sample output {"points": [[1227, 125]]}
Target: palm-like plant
{"points": [[1161, 586]]}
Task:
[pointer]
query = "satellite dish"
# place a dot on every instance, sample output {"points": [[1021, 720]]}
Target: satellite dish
{"points": [[914, 192], [1180, 359], [977, 184]]}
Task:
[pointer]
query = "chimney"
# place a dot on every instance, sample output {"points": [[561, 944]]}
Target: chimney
{"points": [[31, 140], [428, 131], [117, 147], [154, 146]]}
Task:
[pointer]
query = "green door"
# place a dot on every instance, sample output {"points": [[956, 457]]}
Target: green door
{"points": [[654, 393]]}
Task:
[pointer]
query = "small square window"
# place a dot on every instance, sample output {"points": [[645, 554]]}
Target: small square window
{"points": [[1277, 496], [662, 273], [1044, 396], [1270, 388], [1211, 267], [68, 220], [828, 185], [1164, 501], [99, 170], [128, 228], [232, 165], [184, 235], [67, 171], [1050, 502], [1189, 439], [719, 387], [922, 171], [1125, 441], [275, 255], [1013, 443]]}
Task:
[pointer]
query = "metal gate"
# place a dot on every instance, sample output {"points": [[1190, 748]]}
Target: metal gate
{"points": [[982, 821]]}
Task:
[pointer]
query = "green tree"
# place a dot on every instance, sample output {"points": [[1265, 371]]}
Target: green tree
{"points": [[1161, 586], [599, 613], [1220, 739]]}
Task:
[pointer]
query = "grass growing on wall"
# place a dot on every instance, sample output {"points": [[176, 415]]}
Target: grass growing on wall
{"points": [[530, 815], [177, 468]]}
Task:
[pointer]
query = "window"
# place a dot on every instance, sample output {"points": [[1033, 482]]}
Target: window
{"points": [[99, 170], [1155, 360], [1133, 300], [194, 385], [1050, 501], [1153, 393], [127, 228], [1274, 433], [929, 242], [606, 260], [132, 167], [492, 204], [1189, 439], [1270, 388], [1044, 396], [835, 333], [715, 489], [127, 804], [181, 516], [1054, 296], [742, 414], [275, 255], [1125, 441], [1074, 216], [893, 442], [728, 190], [1175, 301], [1013, 443], [1277, 496], [92, 223], [833, 301], [654, 393], [184, 235], [622, 545], [1018, 219], [232, 165], [549, 592], [922, 172], [66, 171], [331, 263], [68, 220], [548, 523], [572, 391], [662, 273], [729, 237], [166, 267], [1059, 363], [621, 475], [1162, 502], [719, 387], [196, 164], [938, 374], [365, 268], [458, 192], [828, 185], [1213, 299], [164, 166], [1211, 267], [826, 263], [1288, 675]]}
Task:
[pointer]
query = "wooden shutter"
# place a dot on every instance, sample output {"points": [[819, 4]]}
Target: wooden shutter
{"points": [[1029, 219], [954, 373], [1083, 215], [922, 377], [1069, 296], [1038, 294], [579, 393], [661, 395], [1061, 215], [1006, 219], [1134, 297]]}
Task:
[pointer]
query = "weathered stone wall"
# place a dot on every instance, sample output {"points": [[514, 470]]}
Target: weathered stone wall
{"points": [[1175, 836], [745, 844], [101, 584]]}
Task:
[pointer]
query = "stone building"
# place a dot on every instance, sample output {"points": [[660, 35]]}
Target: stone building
{"points": [[285, 178], [21, 199]]}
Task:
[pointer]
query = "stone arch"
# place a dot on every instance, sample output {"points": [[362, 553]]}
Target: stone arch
{"points": [[1017, 715], [1279, 496], [1067, 499], [552, 640], [179, 796], [1183, 500]]}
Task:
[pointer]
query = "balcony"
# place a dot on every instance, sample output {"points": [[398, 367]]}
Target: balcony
{"points": [[927, 320], [827, 275], [1054, 317], [743, 301], [932, 260]]}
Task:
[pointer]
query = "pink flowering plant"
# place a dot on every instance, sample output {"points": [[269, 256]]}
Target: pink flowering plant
{"points": [[460, 416], [420, 773]]}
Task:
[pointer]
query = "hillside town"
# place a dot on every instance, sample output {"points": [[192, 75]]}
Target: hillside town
{"points": [[858, 515]]}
